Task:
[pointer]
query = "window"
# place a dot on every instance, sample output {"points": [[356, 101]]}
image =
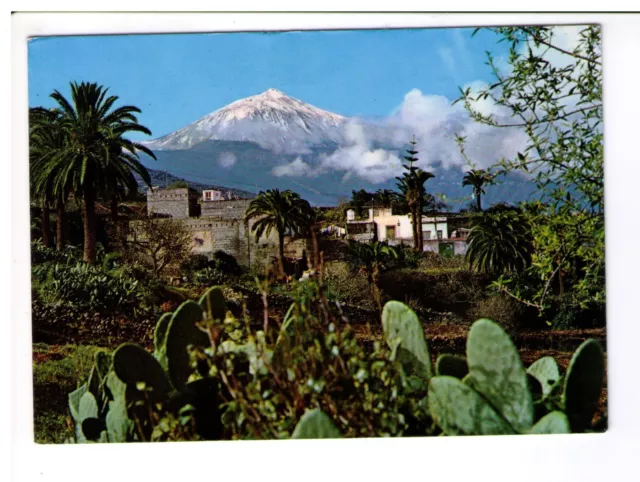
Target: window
{"points": [[426, 234], [439, 234], [391, 232]]}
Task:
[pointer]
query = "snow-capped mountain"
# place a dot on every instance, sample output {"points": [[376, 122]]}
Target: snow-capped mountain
{"points": [[272, 119], [271, 140]]}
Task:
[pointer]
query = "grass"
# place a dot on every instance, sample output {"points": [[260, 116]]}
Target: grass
{"points": [[57, 371]]}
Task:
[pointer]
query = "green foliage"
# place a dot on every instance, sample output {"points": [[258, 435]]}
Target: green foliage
{"points": [[230, 381], [500, 242], [315, 424], [554, 96], [371, 260], [88, 287], [279, 211], [478, 179], [159, 244], [88, 153]]}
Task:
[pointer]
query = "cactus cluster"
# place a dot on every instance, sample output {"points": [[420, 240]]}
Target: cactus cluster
{"points": [[113, 405], [487, 392], [491, 392]]}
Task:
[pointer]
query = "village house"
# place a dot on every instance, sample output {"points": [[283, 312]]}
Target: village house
{"points": [[397, 229]]}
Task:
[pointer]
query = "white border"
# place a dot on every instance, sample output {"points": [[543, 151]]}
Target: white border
{"points": [[497, 458]]}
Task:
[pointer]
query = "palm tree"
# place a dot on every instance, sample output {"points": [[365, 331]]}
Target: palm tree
{"points": [[412, 193], [371, 259], [385, 197], [98, 159], [46, 139], [281, 211], [500, 242], [478, 178]]}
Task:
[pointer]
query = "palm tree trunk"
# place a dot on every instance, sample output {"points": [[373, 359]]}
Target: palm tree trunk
{"points": [[414, 224], [89, 216], [114, 210], [478, 201], [281, 253], [60, 222], [46, 226]]}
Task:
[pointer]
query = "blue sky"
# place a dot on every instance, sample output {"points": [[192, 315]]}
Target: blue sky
{"points": [[177, 78]]}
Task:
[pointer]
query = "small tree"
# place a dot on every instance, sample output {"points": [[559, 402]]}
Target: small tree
{"points": [[371, 259], [478, 179], [279, 211], [161, 244]]}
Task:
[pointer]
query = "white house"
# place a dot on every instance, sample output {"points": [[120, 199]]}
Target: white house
{"points": [[396, 228]]}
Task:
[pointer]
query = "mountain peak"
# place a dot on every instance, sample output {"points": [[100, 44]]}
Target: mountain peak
{"points": [[274, 93], [271, 119]]}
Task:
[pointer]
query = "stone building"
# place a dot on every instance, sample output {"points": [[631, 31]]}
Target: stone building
{"points": [[219, 226], [178, 203]]}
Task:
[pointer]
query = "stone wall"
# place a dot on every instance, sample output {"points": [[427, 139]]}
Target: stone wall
{"points": [[177, 203], [230, 209]]}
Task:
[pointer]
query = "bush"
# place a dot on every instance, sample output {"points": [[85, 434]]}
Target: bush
{"points": [[88, 287], [508, 313], [202, 271], [346, 286]]}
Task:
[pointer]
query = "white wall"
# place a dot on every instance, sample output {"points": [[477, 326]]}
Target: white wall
{"points": [[404, 228]]}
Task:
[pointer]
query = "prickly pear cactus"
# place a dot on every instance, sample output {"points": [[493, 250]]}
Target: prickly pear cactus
{"points": [[134, 365], [160, 338], [315, 424], [181, 333], [452, 365], [498, 374], [552, 423], [583, 385], [405, 336], [214, 304], [546, 371], [460, 410]]}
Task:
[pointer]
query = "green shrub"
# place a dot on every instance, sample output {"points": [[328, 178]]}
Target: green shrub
{"points": [[508, 313], [343, 284], [87, 287]]}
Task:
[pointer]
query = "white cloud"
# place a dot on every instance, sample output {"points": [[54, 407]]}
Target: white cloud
{"points": [[295, 168], [227, 160], [358, 158]]}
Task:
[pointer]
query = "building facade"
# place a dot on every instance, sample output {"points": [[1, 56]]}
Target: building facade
{"points": [[397, 229]]}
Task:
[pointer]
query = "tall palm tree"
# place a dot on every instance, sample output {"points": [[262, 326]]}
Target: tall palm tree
{"points": [[97, 157], [413, 194], [46, 139], [477, 178], [281, 211], [371, 259], [500, 242]]}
